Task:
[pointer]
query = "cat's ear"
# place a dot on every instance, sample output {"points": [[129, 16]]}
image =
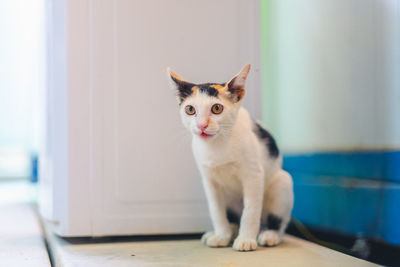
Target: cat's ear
{"points": [[235, 87], [183, 87]]}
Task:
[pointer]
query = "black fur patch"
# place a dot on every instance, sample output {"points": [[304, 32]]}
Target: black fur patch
{"points": [[184, 89], [233, 217], [274, 222], [207, 89], [271, 144]]}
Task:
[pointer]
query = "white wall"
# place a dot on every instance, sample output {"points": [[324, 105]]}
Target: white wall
{"points": [[21, 82], [21, 71], [333, 69]]}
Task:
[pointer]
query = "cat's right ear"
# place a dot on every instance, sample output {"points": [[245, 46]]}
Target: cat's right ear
{"points": [[236, 85], [182, 87]]}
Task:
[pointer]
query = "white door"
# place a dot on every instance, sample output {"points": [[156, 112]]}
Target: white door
{"points": [[141, 177]]}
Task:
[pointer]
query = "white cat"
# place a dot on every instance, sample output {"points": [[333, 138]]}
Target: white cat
{"points": [[239, 162]]}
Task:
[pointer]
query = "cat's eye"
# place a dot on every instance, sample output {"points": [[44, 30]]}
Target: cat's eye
{"points": [[190, 110], [217, 108]]}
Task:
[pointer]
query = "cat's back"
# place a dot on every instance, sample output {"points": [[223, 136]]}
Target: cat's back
{"points": [[265, 142], [248, 125], [244, 123]]}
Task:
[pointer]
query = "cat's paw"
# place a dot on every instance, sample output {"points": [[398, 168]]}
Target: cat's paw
{"points": [[244, 244], [212, 240], [269, 238]]}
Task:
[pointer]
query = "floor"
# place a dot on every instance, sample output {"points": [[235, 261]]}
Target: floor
{"points": [[23, 243], [21, 237]]}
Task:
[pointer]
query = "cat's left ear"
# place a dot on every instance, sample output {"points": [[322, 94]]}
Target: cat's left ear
{"points": [[235, 87], [183, 87]]}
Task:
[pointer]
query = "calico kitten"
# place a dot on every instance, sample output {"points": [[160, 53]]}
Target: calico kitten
{"points": [[239, 162]]}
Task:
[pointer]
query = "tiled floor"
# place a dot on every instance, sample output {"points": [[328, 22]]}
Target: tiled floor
{"points": [[22, 244]]}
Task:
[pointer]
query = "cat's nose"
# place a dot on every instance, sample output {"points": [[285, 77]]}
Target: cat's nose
{"points": [[202, 127]]}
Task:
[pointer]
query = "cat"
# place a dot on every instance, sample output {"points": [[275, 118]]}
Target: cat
{"points": [[240, 164]]}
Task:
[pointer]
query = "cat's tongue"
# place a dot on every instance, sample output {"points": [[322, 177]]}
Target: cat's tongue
{"points": [[204, 135]]}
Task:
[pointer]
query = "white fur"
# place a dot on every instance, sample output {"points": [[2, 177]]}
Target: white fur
{"points": [[238, 173]]}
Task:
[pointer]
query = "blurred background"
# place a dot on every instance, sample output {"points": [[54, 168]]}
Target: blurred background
{"points": [[331, 95], [326, 83], [22, 82]]}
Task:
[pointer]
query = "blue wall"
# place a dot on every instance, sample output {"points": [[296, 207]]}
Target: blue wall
{"points": [[349, 192]]}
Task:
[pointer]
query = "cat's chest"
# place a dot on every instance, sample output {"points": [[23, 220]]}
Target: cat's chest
{"points": [[227, 177], [221, 165], [213, 156]]}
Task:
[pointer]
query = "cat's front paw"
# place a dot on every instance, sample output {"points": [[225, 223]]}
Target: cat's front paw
{"points": [[212, 240], [244, 244], [269, 238]]}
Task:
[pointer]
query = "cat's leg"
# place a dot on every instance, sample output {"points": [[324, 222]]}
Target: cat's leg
{"points": [[278, 204], [234, 213], [250, 220], [222, 234]]}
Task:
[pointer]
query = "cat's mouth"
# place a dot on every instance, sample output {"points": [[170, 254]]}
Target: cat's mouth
{"points": [[205, 135]]}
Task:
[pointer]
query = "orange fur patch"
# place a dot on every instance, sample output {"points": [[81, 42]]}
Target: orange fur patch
{"points": [[195, 89], [218, 87]]}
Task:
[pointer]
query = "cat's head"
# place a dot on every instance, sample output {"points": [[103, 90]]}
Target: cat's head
{"points": [[209, 110]]}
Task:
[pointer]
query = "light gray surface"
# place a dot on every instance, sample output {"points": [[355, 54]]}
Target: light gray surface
{"points": [[21, 244], [293, 252], [21, 241]]}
